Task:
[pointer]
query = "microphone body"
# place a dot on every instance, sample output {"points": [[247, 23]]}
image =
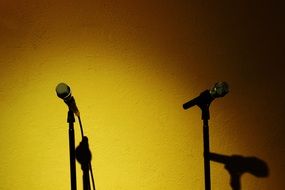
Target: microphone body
{"points": [[204, 97], [220, 89], [63, 91]]}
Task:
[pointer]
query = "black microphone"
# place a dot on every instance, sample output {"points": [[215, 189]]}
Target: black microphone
{"points": [[220, 89], [63, 91]]}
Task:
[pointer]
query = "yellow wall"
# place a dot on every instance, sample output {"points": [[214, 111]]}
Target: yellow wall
{"points": [[131, 65]]}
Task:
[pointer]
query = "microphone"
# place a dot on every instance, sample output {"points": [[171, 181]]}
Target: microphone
{"points": [[220, 89], [63, 91]]}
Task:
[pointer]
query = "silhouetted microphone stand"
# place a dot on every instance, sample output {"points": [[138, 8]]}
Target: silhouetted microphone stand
{"points": [[71, 120], [203, 101], [82, 152]]}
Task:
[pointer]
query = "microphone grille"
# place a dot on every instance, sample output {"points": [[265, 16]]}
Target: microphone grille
{"points": [[220, 89], [63, 91]]}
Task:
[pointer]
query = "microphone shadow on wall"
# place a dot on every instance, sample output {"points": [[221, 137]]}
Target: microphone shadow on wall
{"points": [[237, 165]]}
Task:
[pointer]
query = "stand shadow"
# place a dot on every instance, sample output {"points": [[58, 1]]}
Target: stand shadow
{"points": [[237, 165], [84, 156]]}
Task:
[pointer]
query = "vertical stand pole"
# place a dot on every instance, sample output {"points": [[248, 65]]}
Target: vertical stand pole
{"points": [[205, 118], [206, 156], [71, 120]]}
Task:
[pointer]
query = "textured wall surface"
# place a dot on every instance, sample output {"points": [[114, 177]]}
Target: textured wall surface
{"points": [[131, 65]]}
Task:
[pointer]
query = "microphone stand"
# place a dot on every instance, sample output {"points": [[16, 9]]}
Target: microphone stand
{"points": [[71, 120], [81, 153], [203, 102], [205, 117]]}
